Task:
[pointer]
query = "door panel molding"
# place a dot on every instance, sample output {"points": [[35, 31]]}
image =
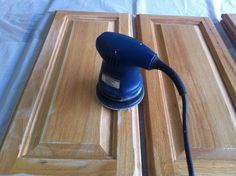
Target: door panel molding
{"points": [[59, 126]]}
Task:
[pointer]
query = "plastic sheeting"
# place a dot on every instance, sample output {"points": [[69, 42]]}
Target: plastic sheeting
{"points": [[210, 8], [24, 24]]}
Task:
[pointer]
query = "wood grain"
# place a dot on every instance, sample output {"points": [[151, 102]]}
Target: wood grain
{"points": [[229, 24], [59, 126], [192, 46]]}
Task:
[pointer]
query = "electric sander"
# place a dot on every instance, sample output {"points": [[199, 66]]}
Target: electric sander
{"points": [[120, 84]]}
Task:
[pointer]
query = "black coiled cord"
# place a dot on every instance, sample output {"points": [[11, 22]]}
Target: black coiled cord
{"points": [[158, 64]]}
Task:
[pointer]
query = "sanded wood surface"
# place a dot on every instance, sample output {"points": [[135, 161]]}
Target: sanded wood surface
{"points": [[195, 50], [59, 126], [229, 24]]}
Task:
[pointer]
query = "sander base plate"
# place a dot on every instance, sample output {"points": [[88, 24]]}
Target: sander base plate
{"points": [[116, 105]]}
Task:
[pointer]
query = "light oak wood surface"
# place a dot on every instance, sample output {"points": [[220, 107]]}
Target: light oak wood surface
{"points": [[59, 126], [192, 47]]}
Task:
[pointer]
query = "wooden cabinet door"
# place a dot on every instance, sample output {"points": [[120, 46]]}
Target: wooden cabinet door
{"points": [[59, 126], [194, 49], [229, 24]]}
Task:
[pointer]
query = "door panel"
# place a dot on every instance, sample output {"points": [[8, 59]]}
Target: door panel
{"points": [[194, 49], [229, 24], [59, 126]]}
